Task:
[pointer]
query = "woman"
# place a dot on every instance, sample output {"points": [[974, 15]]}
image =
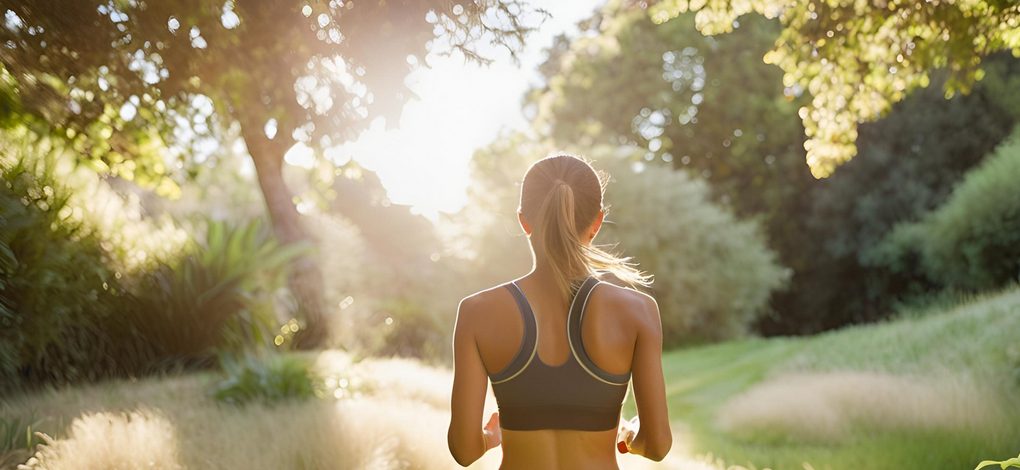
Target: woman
{"points": [[561, 343]]}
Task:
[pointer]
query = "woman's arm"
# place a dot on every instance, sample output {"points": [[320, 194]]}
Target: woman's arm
{"points": [[466, 438], [654, 437]]}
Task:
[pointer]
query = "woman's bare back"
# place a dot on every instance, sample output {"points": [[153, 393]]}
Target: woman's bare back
{"points": [[609, 332]]}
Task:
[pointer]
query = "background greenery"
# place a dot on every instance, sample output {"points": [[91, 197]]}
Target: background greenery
{"points": [[162, 246]]}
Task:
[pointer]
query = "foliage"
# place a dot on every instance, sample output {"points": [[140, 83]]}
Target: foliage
{"points": [[972, 241], [392, 282], [713, 272], [907, 165], [16, 434], [128, 82], [124, 77], [402, 327], [341, 251], [216, 295], [91, 288], [269, 378], [858, 58], [702, 103], [55, 283], [485, 234], [1008, 463], [650, 75]]}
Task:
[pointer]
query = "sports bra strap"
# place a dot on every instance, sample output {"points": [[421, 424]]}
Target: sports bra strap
{"points": [[574, 319], [527, 348]]}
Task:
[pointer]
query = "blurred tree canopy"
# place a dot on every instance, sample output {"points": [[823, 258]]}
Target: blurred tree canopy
{"points": [[856, 58], [908, 164], [702, 103], [129, 81], [709, 105]]}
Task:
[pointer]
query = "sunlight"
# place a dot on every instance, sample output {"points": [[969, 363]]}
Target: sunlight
{"points": [[423, 160]]}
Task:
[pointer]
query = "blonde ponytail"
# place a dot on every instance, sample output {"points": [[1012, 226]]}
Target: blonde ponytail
{"points": [[560, 243], [572, 195]]}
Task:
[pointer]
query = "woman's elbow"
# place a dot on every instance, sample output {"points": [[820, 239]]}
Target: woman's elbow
{"points": [[460, 454], [461, 459], [657, 449]]}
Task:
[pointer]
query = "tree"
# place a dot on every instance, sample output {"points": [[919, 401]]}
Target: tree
{"points": [[130, 80], [682, 96], [701, 103], [856, 58], [908, 163]]}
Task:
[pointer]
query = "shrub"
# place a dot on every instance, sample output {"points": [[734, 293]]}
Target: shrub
{"points": [[402, 327], [713, 272], [270, 378], [907, 165], [972, 241], [54, 279], [217, 295], [89, 287], [974, 238]]}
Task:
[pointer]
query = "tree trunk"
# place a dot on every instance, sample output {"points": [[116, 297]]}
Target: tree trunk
{"points": [[305, 278]]}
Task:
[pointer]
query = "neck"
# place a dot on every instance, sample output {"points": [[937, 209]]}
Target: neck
{"points": [[541, 269]]}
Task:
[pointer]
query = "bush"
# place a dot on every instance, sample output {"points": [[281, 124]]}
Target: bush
{"points": [[713, 273], [402, 327], [91, 288], [972, 241], [270, 378], [974, 238], [907, 165], [54, 280], [218, 295]]}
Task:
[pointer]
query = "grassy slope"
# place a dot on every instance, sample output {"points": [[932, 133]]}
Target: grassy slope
{"points": [[972, 339]]}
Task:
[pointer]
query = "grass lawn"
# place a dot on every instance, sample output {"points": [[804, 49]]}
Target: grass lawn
{"points": [[974, 343], [938, 390]]}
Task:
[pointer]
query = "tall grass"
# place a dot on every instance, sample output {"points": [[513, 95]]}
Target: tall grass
{"points": [[832, 407], [173, 422], [396, 420], [933, 389]]}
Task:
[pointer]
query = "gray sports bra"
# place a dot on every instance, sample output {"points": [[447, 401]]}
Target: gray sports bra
{"points": [[575, 395]]}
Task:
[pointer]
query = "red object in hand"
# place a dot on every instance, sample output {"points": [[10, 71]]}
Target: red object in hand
{"points": [[627, 431]]}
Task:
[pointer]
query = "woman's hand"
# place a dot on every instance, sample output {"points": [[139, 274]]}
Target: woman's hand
{"points": [[626, 433], [492, 433]]}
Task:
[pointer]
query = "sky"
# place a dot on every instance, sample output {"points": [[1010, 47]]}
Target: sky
{"points": [[423, 162]]}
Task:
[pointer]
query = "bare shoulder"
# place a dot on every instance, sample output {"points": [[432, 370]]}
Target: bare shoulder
{"points": [[472, 307], [639, 304]]}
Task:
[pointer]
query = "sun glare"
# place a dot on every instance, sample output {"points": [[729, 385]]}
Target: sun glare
{"points": [[460, 107], [423, 161]]}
